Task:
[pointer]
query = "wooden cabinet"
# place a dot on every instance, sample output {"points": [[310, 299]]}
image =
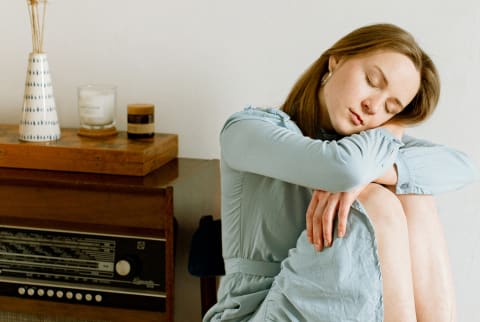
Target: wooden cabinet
{"points": [[103, 204]]}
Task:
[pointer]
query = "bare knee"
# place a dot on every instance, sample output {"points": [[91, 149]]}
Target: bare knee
{"points": [[419, 207], [383, 207]]}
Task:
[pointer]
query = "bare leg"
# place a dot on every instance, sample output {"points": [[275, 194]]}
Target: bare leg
{"points": [[386, 213], [432, 278]]}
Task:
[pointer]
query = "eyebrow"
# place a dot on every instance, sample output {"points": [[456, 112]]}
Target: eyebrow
{"points": [[385, 81]]}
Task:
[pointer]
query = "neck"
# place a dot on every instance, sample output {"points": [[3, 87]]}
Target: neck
{"points": [[324, 117]]}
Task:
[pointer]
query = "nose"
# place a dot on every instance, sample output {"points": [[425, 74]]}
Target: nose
{"points": [[371, 104]]}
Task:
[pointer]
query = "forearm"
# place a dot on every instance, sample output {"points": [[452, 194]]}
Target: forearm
{"points": [[267, 149], [427, 168]]}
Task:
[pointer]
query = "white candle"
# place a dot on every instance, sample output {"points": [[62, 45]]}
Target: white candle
{"points": [[96, 106]]}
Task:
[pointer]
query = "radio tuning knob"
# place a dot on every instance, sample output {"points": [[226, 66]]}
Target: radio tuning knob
{"points": [[123, 267]]}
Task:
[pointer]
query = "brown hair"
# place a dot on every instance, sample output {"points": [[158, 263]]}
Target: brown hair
{"points": [[303, 105]]}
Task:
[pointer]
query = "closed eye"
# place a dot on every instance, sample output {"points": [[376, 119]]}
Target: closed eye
{"points": [[372, 80]]}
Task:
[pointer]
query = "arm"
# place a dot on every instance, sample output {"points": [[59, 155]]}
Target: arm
{"points": [[423, 168], [260, 146], [437, 167]]}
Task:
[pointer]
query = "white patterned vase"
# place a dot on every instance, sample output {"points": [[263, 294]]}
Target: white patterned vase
{"points": [[39, 121]]}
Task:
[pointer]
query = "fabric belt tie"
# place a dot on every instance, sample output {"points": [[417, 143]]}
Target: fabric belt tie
{"points": [[248, 266]]}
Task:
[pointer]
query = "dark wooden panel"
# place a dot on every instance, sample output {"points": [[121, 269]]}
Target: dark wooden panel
{"points": [[79, 311], [81, 206]]}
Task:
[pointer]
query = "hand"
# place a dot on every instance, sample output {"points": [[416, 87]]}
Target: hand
{"points": [[321, 211]]}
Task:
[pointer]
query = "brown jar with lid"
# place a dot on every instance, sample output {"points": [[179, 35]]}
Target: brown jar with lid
{"points": [[140, 121]]}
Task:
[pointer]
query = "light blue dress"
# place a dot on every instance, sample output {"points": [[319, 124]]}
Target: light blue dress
{"points": [[268, 171]]}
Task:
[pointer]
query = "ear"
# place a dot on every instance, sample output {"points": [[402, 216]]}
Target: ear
{"points": [[332, 63]]}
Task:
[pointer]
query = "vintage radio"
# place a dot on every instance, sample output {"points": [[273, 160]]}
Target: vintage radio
{"points": [[78, 267]]}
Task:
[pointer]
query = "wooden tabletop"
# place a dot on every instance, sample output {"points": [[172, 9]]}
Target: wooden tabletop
{"points": [[110, 155]]}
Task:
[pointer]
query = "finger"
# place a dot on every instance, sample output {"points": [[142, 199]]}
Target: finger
{"points": [[309, 215], [317, 229], [321, 198], [343, 212], [327, 220]]}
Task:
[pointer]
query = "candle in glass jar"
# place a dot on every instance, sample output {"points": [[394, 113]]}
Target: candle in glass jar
{"points": [[140, 121], [96, 106]]}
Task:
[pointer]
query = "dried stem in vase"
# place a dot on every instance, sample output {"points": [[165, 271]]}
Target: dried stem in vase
{"points": [[37, 23]]}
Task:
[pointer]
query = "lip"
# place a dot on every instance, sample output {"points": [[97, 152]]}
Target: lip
{"points": [[357, 120]]}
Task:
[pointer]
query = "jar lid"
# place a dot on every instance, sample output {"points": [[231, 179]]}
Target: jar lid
{"points": [[140, 108]]}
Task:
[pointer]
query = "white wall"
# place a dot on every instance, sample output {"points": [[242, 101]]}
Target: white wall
{"points": [[200, 61]]}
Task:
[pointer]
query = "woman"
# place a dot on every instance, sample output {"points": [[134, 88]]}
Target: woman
{"points": [[335, 151]]}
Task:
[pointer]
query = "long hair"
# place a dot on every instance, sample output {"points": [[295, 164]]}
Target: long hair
{"points": [[303, 104]]}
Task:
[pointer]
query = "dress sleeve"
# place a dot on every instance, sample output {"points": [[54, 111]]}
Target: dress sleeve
{"points": [[427, 168], [263, 147]]}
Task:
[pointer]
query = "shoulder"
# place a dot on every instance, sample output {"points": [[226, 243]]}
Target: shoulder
{"points": [[271, 115]]}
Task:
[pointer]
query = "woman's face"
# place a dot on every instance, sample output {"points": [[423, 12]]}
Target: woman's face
{"points": [[365, 91]]}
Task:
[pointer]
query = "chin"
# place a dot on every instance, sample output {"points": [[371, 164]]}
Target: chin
{"points": [[346, 130]]}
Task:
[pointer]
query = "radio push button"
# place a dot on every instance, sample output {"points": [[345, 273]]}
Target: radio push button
{"points": [[50, 293], [88, 297], [40, 292], [69, 295], [31, 291], [59, 294], [21, 290], [78, 296], [98, 298]]}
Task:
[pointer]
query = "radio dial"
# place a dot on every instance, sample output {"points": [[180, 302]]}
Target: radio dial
{"points": [[123, 267]]}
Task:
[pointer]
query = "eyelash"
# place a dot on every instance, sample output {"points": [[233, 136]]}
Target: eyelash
{"points": [[370, 82]]}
